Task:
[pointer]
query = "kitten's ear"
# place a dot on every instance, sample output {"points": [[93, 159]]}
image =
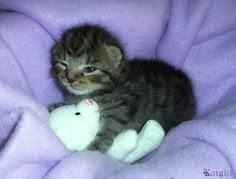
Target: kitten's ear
{"points": [[115, 54]]}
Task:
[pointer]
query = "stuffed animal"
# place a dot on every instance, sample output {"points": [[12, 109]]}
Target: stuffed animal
{"points": [[77, 125]]}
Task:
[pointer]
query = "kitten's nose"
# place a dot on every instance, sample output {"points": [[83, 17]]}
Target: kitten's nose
{"points": [[71, 77], [71, 80]]}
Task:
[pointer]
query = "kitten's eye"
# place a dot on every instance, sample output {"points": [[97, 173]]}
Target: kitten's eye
{"points": [[89, 69], [62, 64]]}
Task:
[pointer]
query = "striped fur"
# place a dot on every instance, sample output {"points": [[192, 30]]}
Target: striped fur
{"points": [[128, 92]]}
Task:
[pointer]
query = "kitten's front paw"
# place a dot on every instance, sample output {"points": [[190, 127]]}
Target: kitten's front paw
{"points": [[101, 144], [54, 106]]}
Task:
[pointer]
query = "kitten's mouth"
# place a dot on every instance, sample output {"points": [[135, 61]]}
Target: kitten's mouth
{"points": [[75, 86]]}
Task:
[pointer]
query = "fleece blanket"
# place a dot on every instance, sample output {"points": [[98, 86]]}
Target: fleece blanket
{"points": [[198, 36]]}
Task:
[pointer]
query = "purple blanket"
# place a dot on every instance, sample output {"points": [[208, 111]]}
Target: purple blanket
{"points": [[198, 36]]}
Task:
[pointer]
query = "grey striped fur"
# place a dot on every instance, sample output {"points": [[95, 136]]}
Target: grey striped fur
{"points": [[129, 92]]}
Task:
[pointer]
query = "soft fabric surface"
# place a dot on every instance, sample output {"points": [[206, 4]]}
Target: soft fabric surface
{"points": [[198, 36]]}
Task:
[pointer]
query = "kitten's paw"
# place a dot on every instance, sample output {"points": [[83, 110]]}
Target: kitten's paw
{"points": [[54, 106], [101, 144]]}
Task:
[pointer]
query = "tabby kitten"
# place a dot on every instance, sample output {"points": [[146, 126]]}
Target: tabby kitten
{"points": [[90, 63]]}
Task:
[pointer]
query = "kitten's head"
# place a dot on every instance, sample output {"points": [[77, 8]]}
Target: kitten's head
{"points": [[87, 59]]}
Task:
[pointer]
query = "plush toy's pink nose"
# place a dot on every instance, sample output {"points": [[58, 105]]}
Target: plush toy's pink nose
{"points": [[89, 102]]}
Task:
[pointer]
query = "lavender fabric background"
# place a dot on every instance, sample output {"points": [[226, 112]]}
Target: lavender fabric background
{"points": [[198, 36]]}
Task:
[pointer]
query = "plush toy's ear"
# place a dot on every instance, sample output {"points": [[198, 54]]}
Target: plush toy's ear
{"points": [[89, 102], [115, 54], [89, 109]]}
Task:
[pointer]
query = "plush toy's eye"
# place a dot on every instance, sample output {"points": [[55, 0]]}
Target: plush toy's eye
{"points": [[77, 113]]}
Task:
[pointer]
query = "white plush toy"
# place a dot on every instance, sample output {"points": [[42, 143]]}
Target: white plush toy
{"points": [[77, 126]]}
